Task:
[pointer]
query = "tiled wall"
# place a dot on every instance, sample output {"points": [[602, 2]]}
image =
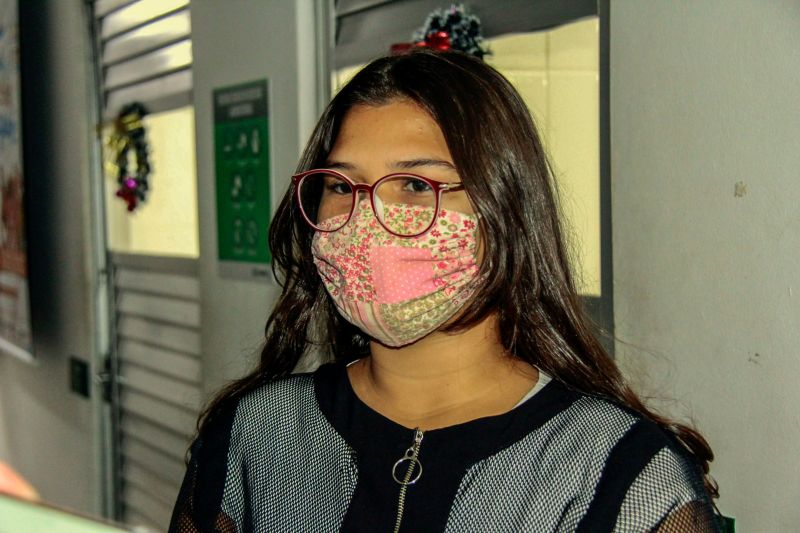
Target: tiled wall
{"points": [[557, 74]]}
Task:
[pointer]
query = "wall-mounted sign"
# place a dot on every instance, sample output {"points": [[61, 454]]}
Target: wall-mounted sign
{"points": [[241, 150]]}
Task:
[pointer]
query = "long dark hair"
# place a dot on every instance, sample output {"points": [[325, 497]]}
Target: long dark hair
{"points": [[506, 173]]}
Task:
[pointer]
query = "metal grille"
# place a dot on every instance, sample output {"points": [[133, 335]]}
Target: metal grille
{"points": [[144, 53], [157, 321]]}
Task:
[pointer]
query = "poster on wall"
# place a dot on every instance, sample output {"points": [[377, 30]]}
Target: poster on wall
{"points": [[15, 328], [242, 165]]}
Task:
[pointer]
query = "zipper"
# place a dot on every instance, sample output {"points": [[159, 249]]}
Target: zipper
{"points": [[412, 457]]}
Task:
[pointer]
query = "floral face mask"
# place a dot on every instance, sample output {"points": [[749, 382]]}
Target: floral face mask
{"points": [[398, 289]]}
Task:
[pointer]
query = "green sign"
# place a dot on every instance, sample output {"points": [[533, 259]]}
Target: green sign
{"points": [[241, 151]]}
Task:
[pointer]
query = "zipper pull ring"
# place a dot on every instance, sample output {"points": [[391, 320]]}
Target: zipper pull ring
{"points": [[411, 456]]}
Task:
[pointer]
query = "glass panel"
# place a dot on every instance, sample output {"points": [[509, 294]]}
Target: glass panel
{"points": [[166, 223]]}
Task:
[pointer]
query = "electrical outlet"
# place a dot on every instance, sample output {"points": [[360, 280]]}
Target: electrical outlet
{"points": [[79, 376]]}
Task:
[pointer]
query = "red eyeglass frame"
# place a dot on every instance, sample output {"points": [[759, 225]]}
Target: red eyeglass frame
{"points": [[438, 187]]}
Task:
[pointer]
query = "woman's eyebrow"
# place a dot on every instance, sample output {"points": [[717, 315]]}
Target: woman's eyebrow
{"points": [[423, 162], [334, 165]]}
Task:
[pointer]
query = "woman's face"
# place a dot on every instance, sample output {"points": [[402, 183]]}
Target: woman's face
{"points": [[400, 136]]}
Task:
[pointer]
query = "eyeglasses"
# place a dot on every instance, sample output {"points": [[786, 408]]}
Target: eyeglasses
{"points": [[406, 205]]}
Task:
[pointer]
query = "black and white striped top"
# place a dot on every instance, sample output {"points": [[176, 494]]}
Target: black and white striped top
{"points": [[304, 453]]}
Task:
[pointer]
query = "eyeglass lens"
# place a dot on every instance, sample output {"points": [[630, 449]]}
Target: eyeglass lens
{"points": [[405, 205]]}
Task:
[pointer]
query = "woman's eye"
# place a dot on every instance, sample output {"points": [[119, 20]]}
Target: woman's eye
{"points": [[416, 186], [337, 187]]}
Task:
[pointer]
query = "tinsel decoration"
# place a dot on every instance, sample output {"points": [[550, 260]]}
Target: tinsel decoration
{"points": [[129, 133], [448, 29]]}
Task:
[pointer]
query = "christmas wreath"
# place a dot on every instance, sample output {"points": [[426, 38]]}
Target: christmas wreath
{"points": [[129, 134]]}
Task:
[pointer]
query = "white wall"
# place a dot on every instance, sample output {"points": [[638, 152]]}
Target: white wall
{"points": [[46, 432], [704, 95], [234, 42]]}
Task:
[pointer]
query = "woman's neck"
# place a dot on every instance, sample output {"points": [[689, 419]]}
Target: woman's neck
{"points": [[443, 379]]}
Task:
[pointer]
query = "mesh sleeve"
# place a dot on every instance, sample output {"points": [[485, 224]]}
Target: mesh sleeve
{"points": [[189, 514], [199, 504], [182, 520], [692, 517], [667, 496]]}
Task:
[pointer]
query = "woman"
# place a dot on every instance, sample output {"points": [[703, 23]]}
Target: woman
{"points": [[420, 248]]}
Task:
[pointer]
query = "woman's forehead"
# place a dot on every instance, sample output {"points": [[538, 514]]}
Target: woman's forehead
{"points": [[398, 130]]}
